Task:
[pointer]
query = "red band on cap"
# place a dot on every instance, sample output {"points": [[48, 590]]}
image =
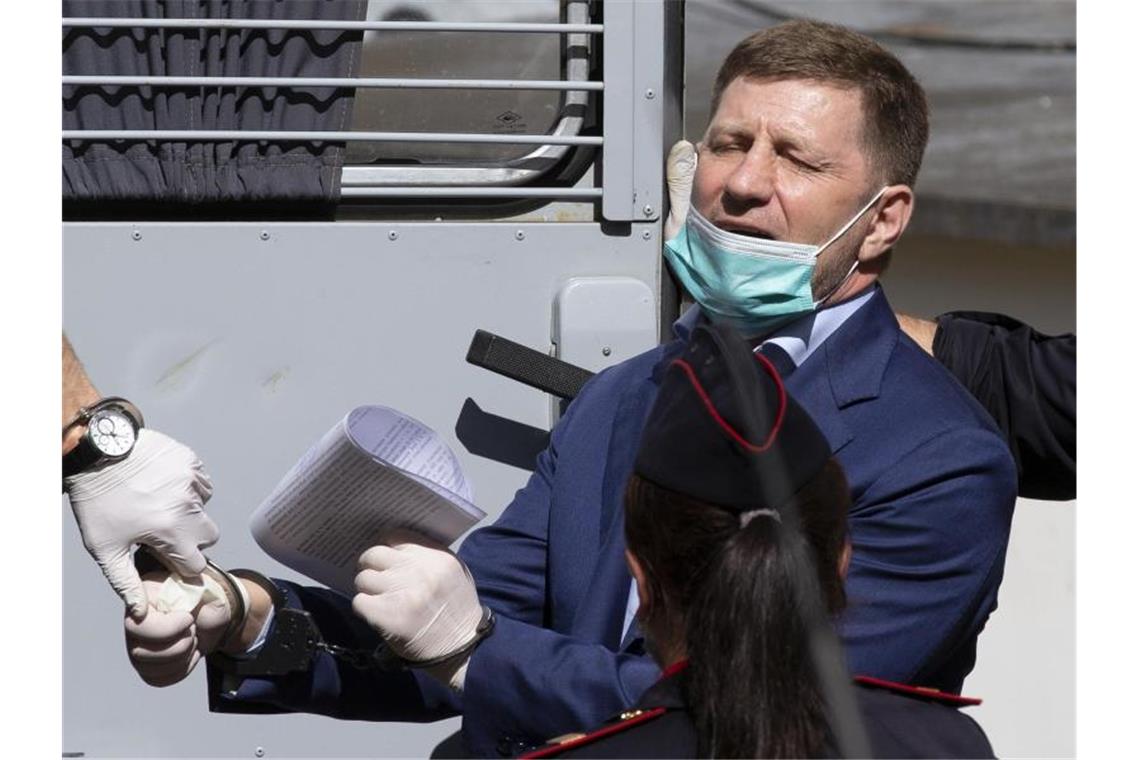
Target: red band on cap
{"points": [[729, 429]]}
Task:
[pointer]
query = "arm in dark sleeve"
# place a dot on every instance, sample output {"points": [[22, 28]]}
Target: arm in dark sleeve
{"points": [[527, 682], [1028, 383], [929, 538], [332, 686]]}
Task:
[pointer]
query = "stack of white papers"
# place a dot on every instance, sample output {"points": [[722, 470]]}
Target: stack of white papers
{"points": [[376, 471]]}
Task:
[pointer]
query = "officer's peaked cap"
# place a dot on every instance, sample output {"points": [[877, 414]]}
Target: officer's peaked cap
{"points": [[724, 430]]}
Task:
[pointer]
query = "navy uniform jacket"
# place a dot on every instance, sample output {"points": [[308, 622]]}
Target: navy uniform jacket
{"points": [[1028, 383], [900, 722], [933, 488]]}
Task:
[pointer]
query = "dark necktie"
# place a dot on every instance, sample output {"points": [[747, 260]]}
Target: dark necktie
{"points": [[779, 358]]}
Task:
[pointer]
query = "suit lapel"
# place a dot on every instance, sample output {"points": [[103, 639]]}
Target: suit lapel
{"points": [[601, 619], [847, 368], [859, 351], [809, 386]]}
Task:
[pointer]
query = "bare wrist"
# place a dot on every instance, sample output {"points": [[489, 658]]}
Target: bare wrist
{"points": [[78, 390], [260, 605]]}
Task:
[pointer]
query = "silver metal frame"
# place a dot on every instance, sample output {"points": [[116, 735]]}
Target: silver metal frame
{"points": [[634, 75], [246, 135], [357, 82], [523, 170], [353, 26], [413, 191]]}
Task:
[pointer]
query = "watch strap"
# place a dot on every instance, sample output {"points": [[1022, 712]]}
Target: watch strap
{"points": [[81, 458]]}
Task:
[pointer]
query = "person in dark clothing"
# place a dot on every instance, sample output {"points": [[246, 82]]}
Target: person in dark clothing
{"points": [[1026, 380], [736, 532]]}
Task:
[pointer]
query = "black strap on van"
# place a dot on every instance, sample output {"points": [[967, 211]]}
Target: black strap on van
{"points": [[534, 368]]}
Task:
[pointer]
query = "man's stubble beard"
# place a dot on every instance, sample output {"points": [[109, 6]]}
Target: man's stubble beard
{"points": [[831, 270]]}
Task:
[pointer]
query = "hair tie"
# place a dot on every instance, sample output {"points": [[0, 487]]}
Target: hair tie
{"points": [[746, 517]]}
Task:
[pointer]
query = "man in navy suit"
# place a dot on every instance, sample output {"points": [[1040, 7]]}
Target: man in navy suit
{"points": [[804, 183]]}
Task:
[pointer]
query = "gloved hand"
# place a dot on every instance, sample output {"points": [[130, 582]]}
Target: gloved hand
{"points": [[680, 166], [153, 497], [186, 622], [421, 598]]}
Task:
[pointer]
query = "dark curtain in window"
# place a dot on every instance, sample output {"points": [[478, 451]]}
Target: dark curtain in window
{"points": [[206, 172]]}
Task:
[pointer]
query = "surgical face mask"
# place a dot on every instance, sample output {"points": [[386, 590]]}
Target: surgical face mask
{"points": [[747, 283]]}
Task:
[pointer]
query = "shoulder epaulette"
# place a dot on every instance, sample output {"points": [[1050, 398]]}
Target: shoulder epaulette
{"points": [[925, 692], [625, 720]]}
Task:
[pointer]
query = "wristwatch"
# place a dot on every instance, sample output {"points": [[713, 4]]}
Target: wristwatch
{"points": [[113, 426]]}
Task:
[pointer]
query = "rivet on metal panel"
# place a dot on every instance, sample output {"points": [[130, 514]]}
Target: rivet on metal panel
{"points": [[520, 235], [606, 351], [650, 94], [136, 235], [264, 235], [393, 235], [646, 235], [259, 752], [648, 211]]}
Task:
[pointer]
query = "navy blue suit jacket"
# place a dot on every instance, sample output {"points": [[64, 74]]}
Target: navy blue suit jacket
{"points": [[933, 488]]}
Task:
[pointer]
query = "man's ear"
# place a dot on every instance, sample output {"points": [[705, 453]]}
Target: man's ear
{"points": [[889, 218], [644, 592]]}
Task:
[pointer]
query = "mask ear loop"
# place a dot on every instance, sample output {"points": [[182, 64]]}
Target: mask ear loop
{"points": [[841, 233]]}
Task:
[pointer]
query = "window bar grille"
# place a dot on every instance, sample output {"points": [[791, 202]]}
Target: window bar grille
{"points": [[376, 82], [570, 193], [313, 25], [239, 135], [421, 191]]}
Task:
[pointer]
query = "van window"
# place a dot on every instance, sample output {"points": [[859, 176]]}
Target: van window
{"points": [[457, 55]]}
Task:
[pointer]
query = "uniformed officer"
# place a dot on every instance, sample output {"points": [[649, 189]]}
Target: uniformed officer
{"points": [[734, 500]]}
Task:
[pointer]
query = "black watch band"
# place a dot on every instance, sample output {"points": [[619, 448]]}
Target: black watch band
{"points": [[81, 458]]}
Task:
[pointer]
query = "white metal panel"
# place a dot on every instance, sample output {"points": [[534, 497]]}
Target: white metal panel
{"points": [[599, 321], [248, 341]]}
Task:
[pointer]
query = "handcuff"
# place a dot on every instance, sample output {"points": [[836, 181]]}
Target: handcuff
{"points": [[294, 638]]}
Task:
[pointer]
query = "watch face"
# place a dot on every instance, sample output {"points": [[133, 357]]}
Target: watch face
{"points": [[111, 432]]}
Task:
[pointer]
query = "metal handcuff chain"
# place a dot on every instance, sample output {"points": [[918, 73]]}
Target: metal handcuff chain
{"points": [[295, 638]]}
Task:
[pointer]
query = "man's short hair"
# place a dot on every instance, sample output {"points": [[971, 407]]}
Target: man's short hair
{"points": [[896, 124]]}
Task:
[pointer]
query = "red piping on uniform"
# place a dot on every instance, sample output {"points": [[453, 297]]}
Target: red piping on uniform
{"points": [[729, 429], [601, 733], [919, 691], [675, 668]]}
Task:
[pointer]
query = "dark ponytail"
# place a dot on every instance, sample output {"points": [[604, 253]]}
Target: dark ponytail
{"points": [[751, 685]]}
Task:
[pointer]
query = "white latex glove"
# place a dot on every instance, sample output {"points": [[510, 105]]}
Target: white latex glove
{"points": [[680, 166], [153, 497], [421, 598], [186, 622]]}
